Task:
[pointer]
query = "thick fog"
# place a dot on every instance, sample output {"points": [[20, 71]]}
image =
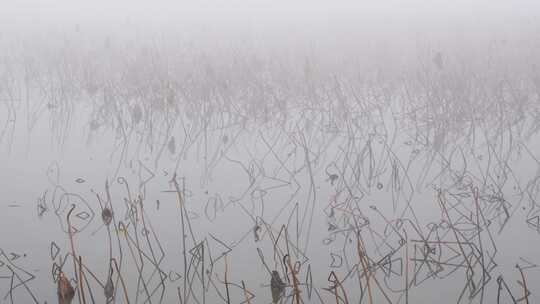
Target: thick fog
{"points": [[269, 152]]}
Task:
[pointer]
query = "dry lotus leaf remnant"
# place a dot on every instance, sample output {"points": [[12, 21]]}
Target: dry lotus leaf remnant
{"points": [[65, 290], [277, 286]]}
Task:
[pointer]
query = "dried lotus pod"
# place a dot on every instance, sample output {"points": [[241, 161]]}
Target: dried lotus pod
{"points": [[106, 216]]}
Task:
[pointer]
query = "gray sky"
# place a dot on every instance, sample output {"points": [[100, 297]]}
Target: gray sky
{"points": [[37, 11]]}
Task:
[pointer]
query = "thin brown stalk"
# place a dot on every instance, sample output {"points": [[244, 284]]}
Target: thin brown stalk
{"points": [[81, 280], [70, 234], [295, 281], [367, 272]]}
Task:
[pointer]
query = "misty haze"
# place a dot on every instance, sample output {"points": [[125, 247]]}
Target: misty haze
{"points": [[269, 152]]}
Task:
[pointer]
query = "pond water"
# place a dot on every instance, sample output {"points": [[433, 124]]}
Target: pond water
{"points": [[156, 182]]}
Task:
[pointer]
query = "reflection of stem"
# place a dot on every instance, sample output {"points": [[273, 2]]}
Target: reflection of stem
{"points": [[181, 204], [295, 281], [226, 279], [245, 292], [15, 274], [524, 284], [337, 284], [451, 225], [113, 260], [139, 269], [406, 267], [115, 225], [79, 290]]}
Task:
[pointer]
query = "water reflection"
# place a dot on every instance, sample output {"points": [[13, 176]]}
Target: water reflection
{"points": [[247, 181]]}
